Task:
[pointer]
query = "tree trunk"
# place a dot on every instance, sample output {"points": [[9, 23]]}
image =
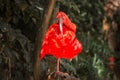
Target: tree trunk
{"points": [[39, 39]]}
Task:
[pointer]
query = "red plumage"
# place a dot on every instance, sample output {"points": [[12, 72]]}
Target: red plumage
{"points": [[58, 45]]}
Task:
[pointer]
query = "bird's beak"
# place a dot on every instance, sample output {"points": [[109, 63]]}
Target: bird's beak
{"points": [[60, 20]]}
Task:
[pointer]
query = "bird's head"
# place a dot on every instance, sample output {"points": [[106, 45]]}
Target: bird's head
{"points": [[62, 18]]}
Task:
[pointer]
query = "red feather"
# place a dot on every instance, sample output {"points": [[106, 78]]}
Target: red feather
{"points": [[61, 46]]}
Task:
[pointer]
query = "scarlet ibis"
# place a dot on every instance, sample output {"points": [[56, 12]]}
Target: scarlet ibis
{"points": [[60, 40]]}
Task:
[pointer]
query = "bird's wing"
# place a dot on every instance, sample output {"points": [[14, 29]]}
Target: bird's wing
{"points": [[51, 41]]}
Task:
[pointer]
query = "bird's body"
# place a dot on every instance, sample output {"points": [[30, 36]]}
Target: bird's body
{"points": [[60, 46]]}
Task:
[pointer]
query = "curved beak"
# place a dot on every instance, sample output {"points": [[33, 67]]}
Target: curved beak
{"points": [[60, 20]]}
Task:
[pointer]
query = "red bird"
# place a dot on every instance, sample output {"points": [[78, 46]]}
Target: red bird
{"points": [[60, 40]]}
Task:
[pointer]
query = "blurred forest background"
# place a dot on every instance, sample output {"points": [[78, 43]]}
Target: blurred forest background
{"points": [[23, 24]]}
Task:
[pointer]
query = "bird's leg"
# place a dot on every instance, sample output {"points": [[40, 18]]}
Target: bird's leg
{"points": [[58, 65], [58, 72]]}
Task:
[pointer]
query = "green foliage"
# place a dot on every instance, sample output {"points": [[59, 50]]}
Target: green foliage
{"points": [[16, 50], [18, 28]]}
